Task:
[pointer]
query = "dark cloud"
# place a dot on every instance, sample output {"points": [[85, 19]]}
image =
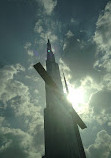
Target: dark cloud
{"points": [[81, 56], [101, 102], [84, 12]]}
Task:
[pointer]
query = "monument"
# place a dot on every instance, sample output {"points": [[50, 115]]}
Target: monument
{"points": [[62, 137]]}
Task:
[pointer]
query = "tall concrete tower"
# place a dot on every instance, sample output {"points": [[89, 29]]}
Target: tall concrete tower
{"points": [[62, 137]]}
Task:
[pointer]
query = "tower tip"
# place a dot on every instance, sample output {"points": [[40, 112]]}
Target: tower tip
{"points": [[48, 41]]}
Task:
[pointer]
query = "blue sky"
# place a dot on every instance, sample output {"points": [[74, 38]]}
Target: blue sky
{"points": [[79, 32]]}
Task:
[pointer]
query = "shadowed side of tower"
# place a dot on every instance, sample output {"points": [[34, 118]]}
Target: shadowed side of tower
{"points": [[62, 137]]}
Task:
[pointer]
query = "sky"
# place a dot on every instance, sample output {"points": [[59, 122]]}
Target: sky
{"points": [[80, 34]]}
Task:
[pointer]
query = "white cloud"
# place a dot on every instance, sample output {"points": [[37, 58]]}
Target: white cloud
{"points": [[107, 81], [90, 88], [19, 67], [17, 142], [102, 39], [100, 103], [69, 34], [73, 21], [16, 95], [101, 147], [64, 46], [64, 69], [50, 35], [19, 133], [109, 124], [30, 53], [48, 5], [103, 25], [101, 100], [45, 33], [27, 45], [89, 84], [39, 26], [45, 25], [7, 74]]}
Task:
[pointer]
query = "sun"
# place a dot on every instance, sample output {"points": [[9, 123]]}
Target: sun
{"points": [[77, 98]]}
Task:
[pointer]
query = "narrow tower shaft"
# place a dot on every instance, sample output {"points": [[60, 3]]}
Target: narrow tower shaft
{"points": [[53, 70]]}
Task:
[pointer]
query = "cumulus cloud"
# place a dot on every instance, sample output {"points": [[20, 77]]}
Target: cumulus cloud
{"points": [[107, 81], [100, 102], [27, 45], [7, 74], [101, 147], [91, 87], [16, 95], [16, 142], [48, 5], [42, 28], [103, 25], [45, 26], [103, 40], [50, 35], [90, 84], [69, 34], [38, 26], [30, 53], [12, 89], [28, 49], [21, 119], [64, 69]]}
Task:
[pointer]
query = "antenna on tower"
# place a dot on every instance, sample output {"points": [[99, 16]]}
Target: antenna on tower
{"points": [[66, 86]]}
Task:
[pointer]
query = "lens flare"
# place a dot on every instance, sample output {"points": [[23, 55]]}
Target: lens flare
{"points": [[77, 98]]}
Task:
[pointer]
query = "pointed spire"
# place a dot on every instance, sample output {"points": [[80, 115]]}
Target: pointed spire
{"points": [[66, 86], [49, 45], [50, 54]]}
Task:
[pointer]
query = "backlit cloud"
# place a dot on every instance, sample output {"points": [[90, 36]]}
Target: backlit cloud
{"points": [[101, 147], [21, 118], [103, 40]]}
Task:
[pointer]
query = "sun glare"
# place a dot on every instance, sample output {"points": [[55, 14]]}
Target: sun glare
{"points": [[77, 98]]}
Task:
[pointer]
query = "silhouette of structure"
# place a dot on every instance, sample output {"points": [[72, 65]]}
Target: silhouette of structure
{"points": [[62, 137]]}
